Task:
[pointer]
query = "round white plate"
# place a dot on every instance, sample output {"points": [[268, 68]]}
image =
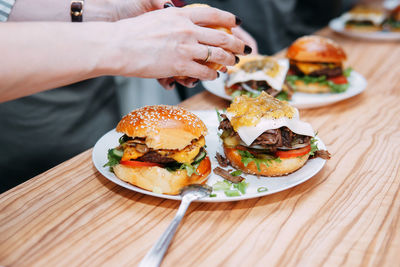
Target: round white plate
{"points": [[312, 167], [338, 24], [300, 100]]}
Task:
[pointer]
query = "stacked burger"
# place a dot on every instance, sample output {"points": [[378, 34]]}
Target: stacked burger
{"points": [[162, 149], [265, 136], [316, 66]]}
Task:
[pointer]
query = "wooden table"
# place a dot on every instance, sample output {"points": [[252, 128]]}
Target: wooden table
{"points": [[346, 215]]}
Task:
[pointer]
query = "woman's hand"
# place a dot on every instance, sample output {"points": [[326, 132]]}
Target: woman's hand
{"points": [[123, 9], [171, 42], [243, 35]]}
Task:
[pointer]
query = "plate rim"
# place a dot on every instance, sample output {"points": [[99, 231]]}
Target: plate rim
{"points": [[114, 179]]}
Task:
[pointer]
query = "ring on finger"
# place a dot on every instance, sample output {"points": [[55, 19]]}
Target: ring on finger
{"points": [[208, 54]]}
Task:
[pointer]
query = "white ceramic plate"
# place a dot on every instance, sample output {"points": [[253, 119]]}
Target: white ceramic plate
{"points": [[312, 167], [300, 100], [338, 24]]}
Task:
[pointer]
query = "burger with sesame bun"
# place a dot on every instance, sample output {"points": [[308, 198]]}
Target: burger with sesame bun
{"points": [[316, 66], [265, 136], [162, 149]]}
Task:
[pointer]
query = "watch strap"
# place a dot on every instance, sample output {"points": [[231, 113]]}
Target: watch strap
{"points": [[77, 10]]}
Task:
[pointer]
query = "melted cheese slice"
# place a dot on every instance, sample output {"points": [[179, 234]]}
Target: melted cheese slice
{"points": [[185, 155], [276, 82], [307, 68], [130, 152], [249, 133], [188, 154]]}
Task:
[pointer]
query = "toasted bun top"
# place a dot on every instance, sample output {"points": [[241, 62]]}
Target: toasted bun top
{"points": [[316, 49], [164, 127]]}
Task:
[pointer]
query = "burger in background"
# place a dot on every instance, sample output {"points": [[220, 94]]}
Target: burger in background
{"points": [[364, 18], [393, 21], [265, 136], [162, 149], [256, 74], [316, 66]]}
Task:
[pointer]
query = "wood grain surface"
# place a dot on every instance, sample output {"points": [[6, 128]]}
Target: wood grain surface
{"points": [[346, 215]]}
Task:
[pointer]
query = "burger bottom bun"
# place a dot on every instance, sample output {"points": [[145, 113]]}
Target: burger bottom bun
{"points": [[364, 28], [285, 167], [159, 180], [313, 88]]}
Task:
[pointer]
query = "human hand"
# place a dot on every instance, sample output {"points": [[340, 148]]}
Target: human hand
{"points": [[243, 35], [169, 83], [166, 43], [123, 9]]}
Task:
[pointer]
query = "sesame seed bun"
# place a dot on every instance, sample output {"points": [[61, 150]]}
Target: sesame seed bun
{"points": [[164, 127], [160, 180], [316, 49], [285, 167]]}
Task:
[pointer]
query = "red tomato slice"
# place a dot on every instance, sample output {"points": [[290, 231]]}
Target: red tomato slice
{"points": [[135, 163], [203, 170], [293, 153], [339, 79]]}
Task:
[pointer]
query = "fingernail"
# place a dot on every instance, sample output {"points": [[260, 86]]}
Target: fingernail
{"points": [[237, 59], [217, 74], [247, 49], [224, 70], [168, 4], [172, 85], [195, 83], [238, 21]]}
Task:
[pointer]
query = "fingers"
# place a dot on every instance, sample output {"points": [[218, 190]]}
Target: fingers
{"points": [[243, 35], [221, 39], [217, 55], [198, 71], [188, 82], [209, 16], [167, 83]]}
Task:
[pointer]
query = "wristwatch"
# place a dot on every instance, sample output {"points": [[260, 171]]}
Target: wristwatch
{"points": [[76, 10]]}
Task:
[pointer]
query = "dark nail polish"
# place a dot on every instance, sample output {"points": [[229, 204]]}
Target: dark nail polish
{"points": [[195, 83], [237, 59], [168, 5], [238, 21], [172, 85], [247, 49]]}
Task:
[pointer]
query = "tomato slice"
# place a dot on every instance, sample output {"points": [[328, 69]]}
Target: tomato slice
{"points": [[339, 79], [135, 163], [203, 170], [294, 152]]}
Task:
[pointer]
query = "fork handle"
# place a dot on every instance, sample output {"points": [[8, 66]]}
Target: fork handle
{"points": [[156, 254]]}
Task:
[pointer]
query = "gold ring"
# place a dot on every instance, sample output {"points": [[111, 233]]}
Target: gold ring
{"points": [[208, 54]]}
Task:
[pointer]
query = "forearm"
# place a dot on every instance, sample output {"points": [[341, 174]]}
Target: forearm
{"points": [[59, 10], [40, 56]]}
